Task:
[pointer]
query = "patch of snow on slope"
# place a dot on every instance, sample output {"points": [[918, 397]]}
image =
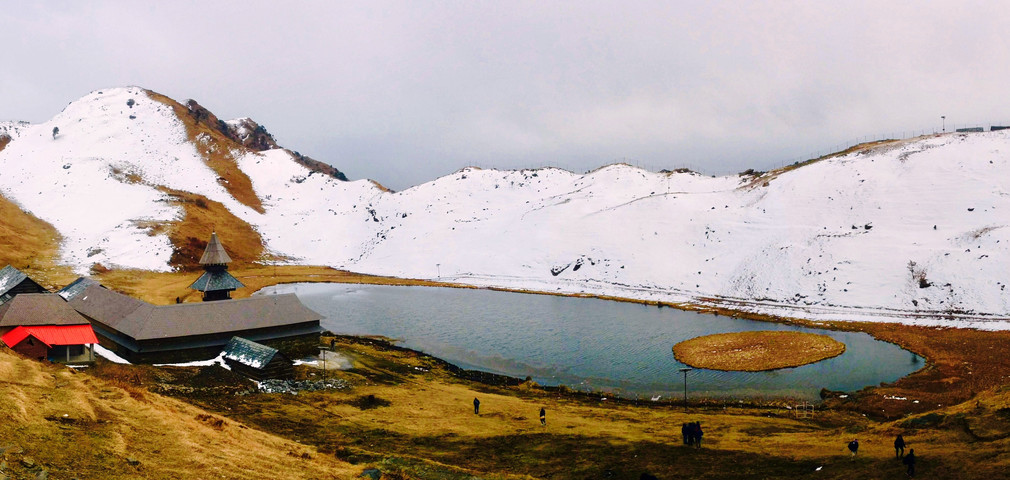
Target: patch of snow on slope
{"points": [[13, 129], [912, 231], [84, 180], [309, 217], [837, 239]]}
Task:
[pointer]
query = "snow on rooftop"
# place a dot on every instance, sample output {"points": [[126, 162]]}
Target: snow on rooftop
{"points": [[109, 355]]}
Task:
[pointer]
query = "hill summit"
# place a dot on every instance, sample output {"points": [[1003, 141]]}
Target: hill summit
{"points": [[912, 230]]}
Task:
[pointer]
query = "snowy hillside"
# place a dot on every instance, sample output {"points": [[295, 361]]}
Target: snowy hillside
{"points": [[911, 231]]}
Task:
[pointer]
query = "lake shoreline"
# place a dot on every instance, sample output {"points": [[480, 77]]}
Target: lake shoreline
{"points": [[518, 385], [587, 344], [950, 353]]}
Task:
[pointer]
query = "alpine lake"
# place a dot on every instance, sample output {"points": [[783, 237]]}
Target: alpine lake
{"points": [[586, 344]]}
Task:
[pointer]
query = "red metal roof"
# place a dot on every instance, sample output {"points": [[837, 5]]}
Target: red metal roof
{"points": [[52, 335]]}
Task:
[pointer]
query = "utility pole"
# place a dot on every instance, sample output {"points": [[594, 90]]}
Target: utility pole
{"points": [[684, 371], [322, 353], [943, 122]]}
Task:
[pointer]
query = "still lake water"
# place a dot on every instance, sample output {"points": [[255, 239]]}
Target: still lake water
{"points": [[585, 343]]}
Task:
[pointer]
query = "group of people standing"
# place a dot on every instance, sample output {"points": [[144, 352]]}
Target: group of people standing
{"points": [[692, 434], [907, 460], [899, 453]]}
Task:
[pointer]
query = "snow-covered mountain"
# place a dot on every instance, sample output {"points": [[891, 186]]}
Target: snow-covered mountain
{"points": [[910, 230]]}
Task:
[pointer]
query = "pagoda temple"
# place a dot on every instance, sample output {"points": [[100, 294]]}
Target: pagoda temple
{"points": [[215, 283]]}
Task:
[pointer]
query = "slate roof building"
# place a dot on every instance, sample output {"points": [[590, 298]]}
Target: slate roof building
{"points": [[14, 281], [43, 326], [144, 333], [215, 283], [256, 360]]}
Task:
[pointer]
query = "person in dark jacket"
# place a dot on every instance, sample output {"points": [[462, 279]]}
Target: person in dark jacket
{"points": [[685, 433], [854, 446], [899, 447], [543, 416], [697, 434], [476, 406], [910, 461]]}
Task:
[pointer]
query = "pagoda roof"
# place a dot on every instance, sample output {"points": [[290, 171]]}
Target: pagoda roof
{"points": [[214, 254], [214, 280]]}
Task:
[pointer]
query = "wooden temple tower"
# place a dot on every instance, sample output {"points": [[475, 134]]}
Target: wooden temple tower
{"points": [[215, 283]]}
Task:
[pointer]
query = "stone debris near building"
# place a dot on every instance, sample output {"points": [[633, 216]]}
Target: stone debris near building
{"points": [[295, 386]]}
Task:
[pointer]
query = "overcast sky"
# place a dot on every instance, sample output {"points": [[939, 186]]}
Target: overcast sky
{"points": [[405, 92]]}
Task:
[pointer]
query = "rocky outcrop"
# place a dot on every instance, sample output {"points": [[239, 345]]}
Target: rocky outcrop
{"points": [[317, 166], [251, 135], [243, 131]]}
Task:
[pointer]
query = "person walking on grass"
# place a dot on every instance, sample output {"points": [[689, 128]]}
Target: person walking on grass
{"points": [[854, 446], [476, 406], [543, 416], [909, 460], [697, 434], [899, 447]]}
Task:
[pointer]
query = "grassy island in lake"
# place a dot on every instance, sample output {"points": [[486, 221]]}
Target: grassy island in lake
{"points": [[756, 351]]}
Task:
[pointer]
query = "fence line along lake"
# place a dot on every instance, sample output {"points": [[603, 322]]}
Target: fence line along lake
{"points": [[585, 343]]}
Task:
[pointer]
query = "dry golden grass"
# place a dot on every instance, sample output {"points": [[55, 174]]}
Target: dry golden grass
{"points": [[422, 425], [80, 426], [163, 288], [862, 147], [216, 149], [203, 216], [30, 245], [756, 351]]}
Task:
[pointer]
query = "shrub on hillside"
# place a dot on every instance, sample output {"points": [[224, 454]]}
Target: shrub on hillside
{"points": [[918, 274]]}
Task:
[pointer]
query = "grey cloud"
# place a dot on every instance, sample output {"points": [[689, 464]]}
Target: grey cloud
{"points": [[403, 92]]}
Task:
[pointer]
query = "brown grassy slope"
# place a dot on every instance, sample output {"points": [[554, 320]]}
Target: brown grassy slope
{"points": [[961, 364], [79, 426], [189, 235], [201, 217], [30, 245], [421, 424], [163, 288], [216, 149], [762, 178]]}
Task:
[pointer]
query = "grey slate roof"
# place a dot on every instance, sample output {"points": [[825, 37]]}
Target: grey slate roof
{"points": [[248, 352], [10, 277], [216, 280], [70, 291], [39, 309], [214, 254], [143, 321]]}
